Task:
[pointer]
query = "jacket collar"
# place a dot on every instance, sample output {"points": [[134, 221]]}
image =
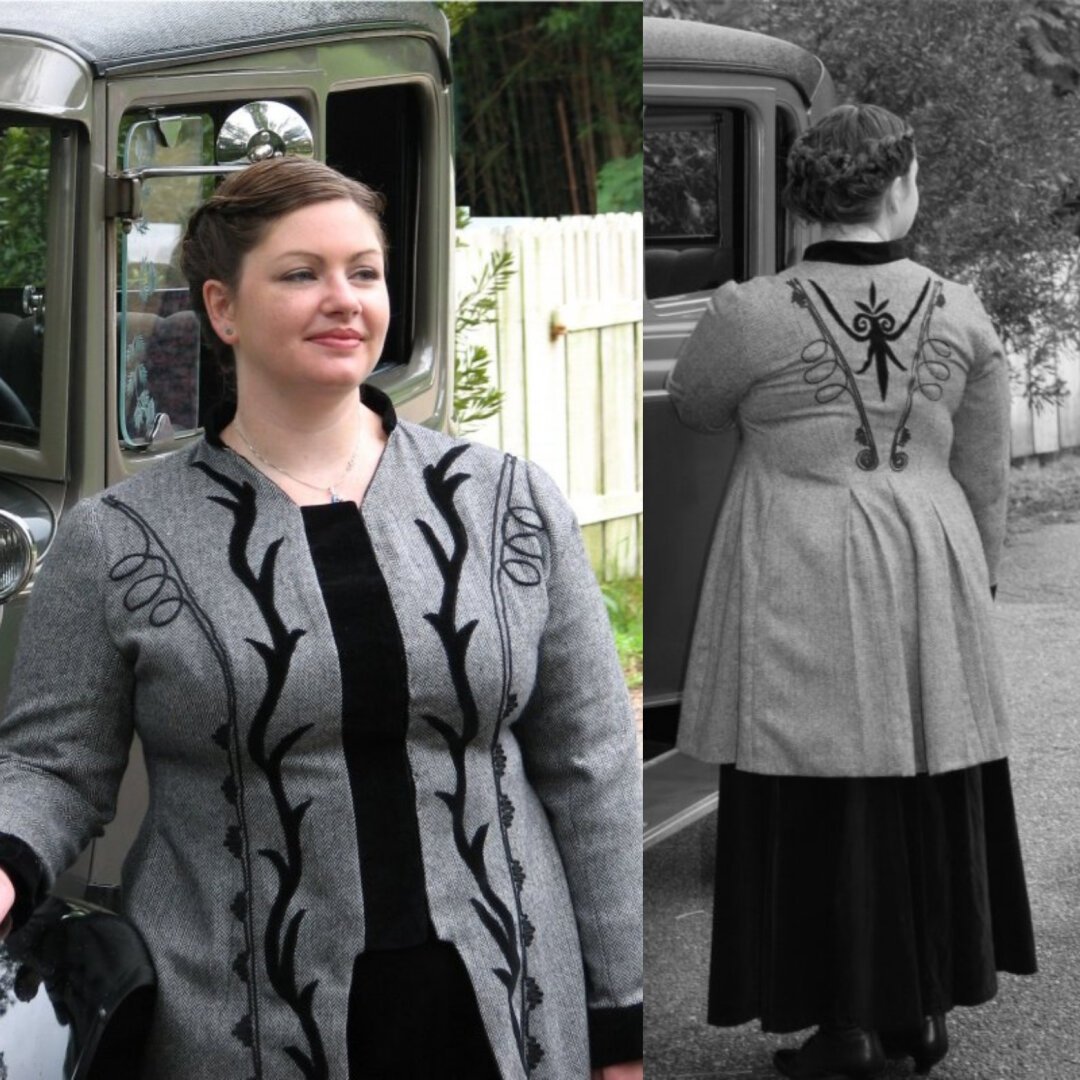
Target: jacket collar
{"points": [[371, 396], [857, 252]]}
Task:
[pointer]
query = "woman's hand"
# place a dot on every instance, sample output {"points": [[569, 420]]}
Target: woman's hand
{"points": [[630, 1070], [7, 899]]}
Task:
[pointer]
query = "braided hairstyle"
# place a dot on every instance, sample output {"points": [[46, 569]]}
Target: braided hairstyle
{"points": [[236, 217], [839, 169]]}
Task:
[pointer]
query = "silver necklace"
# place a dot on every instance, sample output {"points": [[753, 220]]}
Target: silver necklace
{"points": [[329, 489]]}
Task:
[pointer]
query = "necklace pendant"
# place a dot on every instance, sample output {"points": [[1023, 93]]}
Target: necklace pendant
{"points": [[334, 496]]}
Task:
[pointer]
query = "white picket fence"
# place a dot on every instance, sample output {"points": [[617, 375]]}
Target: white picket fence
{"points": [[568, 355], [1053, 427]]}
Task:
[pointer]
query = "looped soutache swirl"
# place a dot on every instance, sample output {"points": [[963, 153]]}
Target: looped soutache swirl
{"points": [[867, 459], [928, 372], [936, 367], [522, 551], [154, 586], [822, 366], [864, 323]]}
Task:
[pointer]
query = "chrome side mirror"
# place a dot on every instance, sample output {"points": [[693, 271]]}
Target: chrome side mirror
{"points": [[263, 129]]}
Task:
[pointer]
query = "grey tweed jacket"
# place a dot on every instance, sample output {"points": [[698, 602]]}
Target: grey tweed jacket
{"points": [[845, 626], [183, 605]]}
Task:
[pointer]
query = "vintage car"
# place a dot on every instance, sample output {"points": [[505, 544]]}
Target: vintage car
{"points": [[722, 108], [116, 120]]}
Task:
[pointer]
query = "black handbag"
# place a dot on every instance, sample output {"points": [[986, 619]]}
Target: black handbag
{"points": [[99, 977]]}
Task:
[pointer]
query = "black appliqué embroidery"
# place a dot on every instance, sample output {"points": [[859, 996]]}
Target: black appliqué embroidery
{"points": [[517, 556], [283, 925], [877, 327], [489, 907], [832, 375], [931, 368], [155, 584]]}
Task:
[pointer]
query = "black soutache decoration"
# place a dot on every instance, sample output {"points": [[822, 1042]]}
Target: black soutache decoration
{"points": [[832, 376], [877, 327], [830, 373], [156, 586], [517, 557], [283, 923], [492, 912], [931, 368]]}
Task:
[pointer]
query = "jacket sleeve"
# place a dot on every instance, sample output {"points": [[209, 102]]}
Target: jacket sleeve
{"points": [[981, 429], [66, 733], [580, 755], [710, 375]]}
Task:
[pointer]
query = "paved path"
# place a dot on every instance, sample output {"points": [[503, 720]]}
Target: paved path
{"points": [[1031, 1031]]}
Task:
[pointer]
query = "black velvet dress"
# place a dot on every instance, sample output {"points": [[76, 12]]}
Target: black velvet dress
{"points": [[865, 901], [412, 1011]]}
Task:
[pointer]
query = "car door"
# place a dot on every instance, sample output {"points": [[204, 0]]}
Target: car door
{"points": [[717, 135]]}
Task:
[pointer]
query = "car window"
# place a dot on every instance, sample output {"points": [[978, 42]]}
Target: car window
{"points": [[158, 338], [695, 192], [786, 132], [372, 135], [25, 172]]}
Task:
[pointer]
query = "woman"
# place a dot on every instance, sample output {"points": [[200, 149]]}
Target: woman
{"points": [[394, 817], [843, 668]]}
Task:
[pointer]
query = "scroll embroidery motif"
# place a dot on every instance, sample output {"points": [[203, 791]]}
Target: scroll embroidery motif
{"points": [[931, 368], [284, 922], [155, 584], [832, 375], [517, 556], [523, 994], [877, 327]]}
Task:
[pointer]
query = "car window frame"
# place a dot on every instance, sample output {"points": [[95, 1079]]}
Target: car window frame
{"points": [[47, 459], [305, 76]]}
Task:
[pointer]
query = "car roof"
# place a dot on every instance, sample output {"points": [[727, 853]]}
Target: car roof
{"points": [[124, 35], [679, 43]]}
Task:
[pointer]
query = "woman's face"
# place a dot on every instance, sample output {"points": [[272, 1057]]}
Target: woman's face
{"points": [[310, 309]]}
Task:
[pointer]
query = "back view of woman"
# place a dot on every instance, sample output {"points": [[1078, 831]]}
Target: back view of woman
{"points": [[843, 670]]}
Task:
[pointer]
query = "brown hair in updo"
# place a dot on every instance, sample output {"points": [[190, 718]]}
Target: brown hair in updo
{"points": [[236, 217], [839, 169]]}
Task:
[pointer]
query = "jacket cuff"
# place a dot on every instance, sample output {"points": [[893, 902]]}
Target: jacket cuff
{"points": [[615, 1035], [27, 874]]}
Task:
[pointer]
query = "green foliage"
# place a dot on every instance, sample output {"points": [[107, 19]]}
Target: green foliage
{"points": [[618, 186], [24, 186], [721, 12], [625, 607], [457, 12], [546, 95], [1049, 34], [476, 398], [681, 177]]}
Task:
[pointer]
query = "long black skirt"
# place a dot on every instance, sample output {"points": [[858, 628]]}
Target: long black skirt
{"points": [[413, 1016], [865, 901]]}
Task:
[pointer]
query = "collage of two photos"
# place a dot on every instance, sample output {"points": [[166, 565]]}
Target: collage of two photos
{"points": [[538, 539]]}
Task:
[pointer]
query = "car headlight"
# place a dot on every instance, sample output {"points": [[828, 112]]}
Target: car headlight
{"points": [[18, 555]]}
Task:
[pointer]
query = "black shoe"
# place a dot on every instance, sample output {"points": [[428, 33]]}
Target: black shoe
{"points": [[927, 1044], [834, 1053]]}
